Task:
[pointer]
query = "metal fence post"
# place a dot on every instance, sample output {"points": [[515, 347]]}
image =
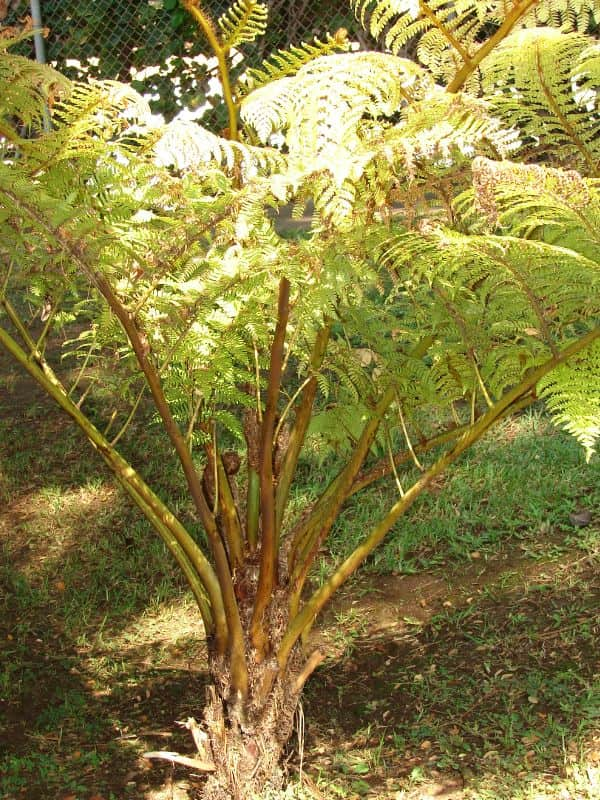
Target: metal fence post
{"points": [[38, 36]]}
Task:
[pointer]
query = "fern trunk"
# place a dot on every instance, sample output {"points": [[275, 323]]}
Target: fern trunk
{"points": [[247, 750]]}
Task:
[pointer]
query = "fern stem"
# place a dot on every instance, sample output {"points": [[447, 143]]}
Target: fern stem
{"points": [[304, 619], [268, 578], [252, 508], [141, 350], [193, 563], [232, 529], [300, 427], [114, 441], [203, 20], [319, 525], [519, 10], [446, 32]]}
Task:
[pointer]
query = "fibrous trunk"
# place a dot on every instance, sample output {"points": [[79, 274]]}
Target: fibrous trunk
{"points": [[246, 739]]}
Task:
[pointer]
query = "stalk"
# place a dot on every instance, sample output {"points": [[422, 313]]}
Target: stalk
{"points": [[327, 508], [194, 564], [268, 578], [304, 619], [204, 21], [301, 422]]}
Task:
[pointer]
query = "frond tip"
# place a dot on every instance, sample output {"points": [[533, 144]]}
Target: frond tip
{"points": [[243, 21], [572, 394]]}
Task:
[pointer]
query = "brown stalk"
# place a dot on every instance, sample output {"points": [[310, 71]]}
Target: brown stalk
{"points": [[232, 529], [300, 427], [268, 578], [141, 349], [308, 548], [519, 10]]}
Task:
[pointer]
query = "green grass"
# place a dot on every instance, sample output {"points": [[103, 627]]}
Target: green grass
{"points": [[501, 694], [519, 484]]}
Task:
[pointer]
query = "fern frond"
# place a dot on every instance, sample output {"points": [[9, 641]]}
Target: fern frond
{"points": [[285, 63], [557, 206], [494, 305], [448, 33], [243, 21], [568, 15], [27, 91], [327, 99], [572, 394], [540, 81], [187, 145]]}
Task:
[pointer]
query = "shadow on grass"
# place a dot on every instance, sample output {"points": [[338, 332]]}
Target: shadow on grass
{"points": [[97, 637], [491, 697]]}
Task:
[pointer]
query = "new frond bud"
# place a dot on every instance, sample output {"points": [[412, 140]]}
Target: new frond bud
{"points": [[341, 36]]}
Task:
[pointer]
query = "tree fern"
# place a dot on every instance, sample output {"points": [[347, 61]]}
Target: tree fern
{"points": [[399, 313]]}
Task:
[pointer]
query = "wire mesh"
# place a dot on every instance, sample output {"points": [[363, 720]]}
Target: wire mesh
{"points": [[155, 45]]}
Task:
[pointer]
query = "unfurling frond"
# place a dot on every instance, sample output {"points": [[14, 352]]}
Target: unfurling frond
{"points": [[285, 63], [572, 394], [546, 84], [243, 21]]}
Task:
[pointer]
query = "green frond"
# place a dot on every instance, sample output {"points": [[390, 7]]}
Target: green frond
{"points": [[440, 135], [568, 15], [447, 33], [285, 63], [494, 305], [243, 21], [546, 84], [322, 107], [557, 206], [572, 394]]}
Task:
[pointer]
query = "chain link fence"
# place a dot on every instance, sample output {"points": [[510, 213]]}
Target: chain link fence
{"points": [[155, 45]]}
